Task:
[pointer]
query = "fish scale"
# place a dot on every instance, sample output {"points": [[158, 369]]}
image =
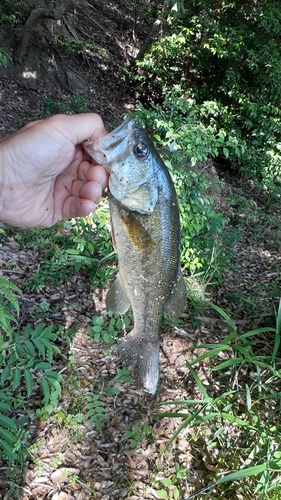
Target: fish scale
{"points": [[146, 234]]}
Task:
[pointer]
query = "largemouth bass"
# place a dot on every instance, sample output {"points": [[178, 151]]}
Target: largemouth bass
{"points": [[146, 235]]}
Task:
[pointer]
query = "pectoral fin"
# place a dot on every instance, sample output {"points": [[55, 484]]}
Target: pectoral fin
{"points": [[137, 233], [116, 298], [176, 303]]}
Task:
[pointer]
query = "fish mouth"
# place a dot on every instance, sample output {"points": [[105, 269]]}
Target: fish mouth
{"points": [[113, 146]]}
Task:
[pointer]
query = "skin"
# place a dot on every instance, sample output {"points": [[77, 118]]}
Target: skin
{"points": [[45, 174]]}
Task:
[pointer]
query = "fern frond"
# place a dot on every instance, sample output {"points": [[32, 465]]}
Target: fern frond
{"points": [[5, 319], [8, 290]]}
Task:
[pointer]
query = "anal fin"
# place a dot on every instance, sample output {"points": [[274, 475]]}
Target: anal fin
{"points": [[116, 298], [176, 302]]}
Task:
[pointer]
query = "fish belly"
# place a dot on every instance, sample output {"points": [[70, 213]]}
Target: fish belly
{"points": [[147, 269]]}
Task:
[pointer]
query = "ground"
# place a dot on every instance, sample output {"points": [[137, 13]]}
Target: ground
{"points": [[71, 459]]}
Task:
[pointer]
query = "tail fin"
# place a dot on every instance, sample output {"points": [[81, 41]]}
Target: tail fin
{"points": [[143, 358]]}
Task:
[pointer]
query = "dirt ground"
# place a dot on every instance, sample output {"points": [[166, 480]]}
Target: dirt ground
{"points": [[105, 465]]}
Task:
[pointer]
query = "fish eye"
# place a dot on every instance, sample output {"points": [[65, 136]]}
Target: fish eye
{"points": [[140, 150]]}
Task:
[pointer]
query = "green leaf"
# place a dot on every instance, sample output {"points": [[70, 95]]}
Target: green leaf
{"points": [[5, 406], [42, 365], [77, 266], [7, 422], [45, 390], [8, 436], [56, 386], [54, 375], [210, 354], [40, 346], [16, 378], [228, 363], [5, 374], [38, 331], [176, 493], [222, 313], [28, 381], [7, 289], [19, 349], [250, 471], [8, 449], [161, 493], [29, 347], [198, 382], [49, 336], [111, 390], [27, 332], [169, 133], [237, 420], [166, 482], [72, 251], [91, 411]]}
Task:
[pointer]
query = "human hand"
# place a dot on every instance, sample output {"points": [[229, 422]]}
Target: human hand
{"points": [[45, 174]]}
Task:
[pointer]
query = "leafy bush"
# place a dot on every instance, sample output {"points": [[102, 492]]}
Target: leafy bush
{"points": [[217, 70], [77, 105], [79, 244], [12, 15], [74, 46], [26, 363], [202, 228]]}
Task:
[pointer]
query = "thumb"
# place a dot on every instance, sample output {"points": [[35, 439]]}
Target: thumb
{"points": [[80, 128]]}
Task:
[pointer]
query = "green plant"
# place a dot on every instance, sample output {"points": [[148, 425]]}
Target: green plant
{"points": [[24, 358], [53, 270], [82, 245], [137, 433], [235, 419], [12, 16], [108, 331], [9, 308], [210, 68], [78, 105], [123, 375], [203, 231], [95, 411], [4, 57], [172, 484], [74, 46], [57, 461]]}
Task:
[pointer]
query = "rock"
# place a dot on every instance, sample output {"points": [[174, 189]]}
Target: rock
{"points": [[62, 475], [60, 496]]}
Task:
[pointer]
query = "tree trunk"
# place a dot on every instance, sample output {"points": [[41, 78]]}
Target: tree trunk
{"points": [[155, 32], [35, 19]]}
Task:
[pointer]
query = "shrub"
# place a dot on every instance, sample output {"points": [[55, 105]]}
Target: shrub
{"points": [[218, 68]]}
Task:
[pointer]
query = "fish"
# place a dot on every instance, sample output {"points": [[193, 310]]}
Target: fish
{"points": [[145, 224]]}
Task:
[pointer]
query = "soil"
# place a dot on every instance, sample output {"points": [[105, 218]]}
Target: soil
{"points": [[74, 460]]}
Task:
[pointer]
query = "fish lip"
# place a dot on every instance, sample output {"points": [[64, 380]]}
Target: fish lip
{"points": [[112, 146], [117, 135]]}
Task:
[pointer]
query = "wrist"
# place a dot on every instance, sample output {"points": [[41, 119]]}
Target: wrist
{"points": [[2, 188], [6, 183]]}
